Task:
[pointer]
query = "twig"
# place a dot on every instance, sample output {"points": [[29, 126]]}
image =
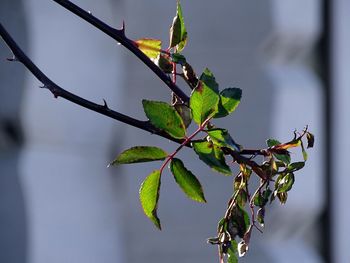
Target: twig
{"points": [[119, 35], [57, 91]]}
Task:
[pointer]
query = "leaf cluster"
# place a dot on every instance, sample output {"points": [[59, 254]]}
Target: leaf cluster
{"points": [[213, 145]]}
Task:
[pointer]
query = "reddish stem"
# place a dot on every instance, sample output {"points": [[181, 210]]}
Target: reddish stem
{"points": [[184, 143]]}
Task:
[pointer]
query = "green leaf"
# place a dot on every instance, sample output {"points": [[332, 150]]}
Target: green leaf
{"points": [[189, 75], [272, 142], [242, 198], [187, 181], [212, 156], [266, 194], [222, 138], [204, 99], [178, 33], [295, 166], [151, 47], [310, 139], [221, 224], [164, 117], [178, 59], [164, 63], [291, 144], [273, 166], [246, 172], [149, 195], [260, 216], [238, 182], [140, 154], [303, 151], [259, 200], [185, 113], [239, 222], [229, 100], [282, 197], [232, 252], [284, 182], [285, 158]]}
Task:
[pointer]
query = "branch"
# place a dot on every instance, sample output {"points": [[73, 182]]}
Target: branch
{"points": [[57, 91], [239, 158], [119, 35], [103, 109]]}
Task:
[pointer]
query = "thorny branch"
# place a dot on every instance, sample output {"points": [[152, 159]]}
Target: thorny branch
{"points": [[103, 109], [119, 35], [57, 91]]}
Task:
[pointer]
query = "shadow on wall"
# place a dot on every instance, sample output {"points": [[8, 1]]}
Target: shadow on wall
{"points": [[13, 225]]}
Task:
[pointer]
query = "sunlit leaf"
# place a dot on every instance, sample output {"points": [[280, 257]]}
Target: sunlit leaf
{"points": [[222, 138], [285, 158], [204, 99], [272, 142], [282, 197], [242, 248], [273, 166], [151, 47], [212, 156], [242, 198], [284, 182], [238, 183], [149, 195], [187, 181], [140, 154], [178, 33], [229, 100], [164, 117], [291, 144], [246, 171]]}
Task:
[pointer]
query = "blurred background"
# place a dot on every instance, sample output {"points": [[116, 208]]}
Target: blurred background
{"points": [[59, 202]]}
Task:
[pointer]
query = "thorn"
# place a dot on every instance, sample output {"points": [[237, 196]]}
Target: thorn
{"points": [[105, 104], [123, 26], [44, 86], [122, 29], [14, 58]]}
